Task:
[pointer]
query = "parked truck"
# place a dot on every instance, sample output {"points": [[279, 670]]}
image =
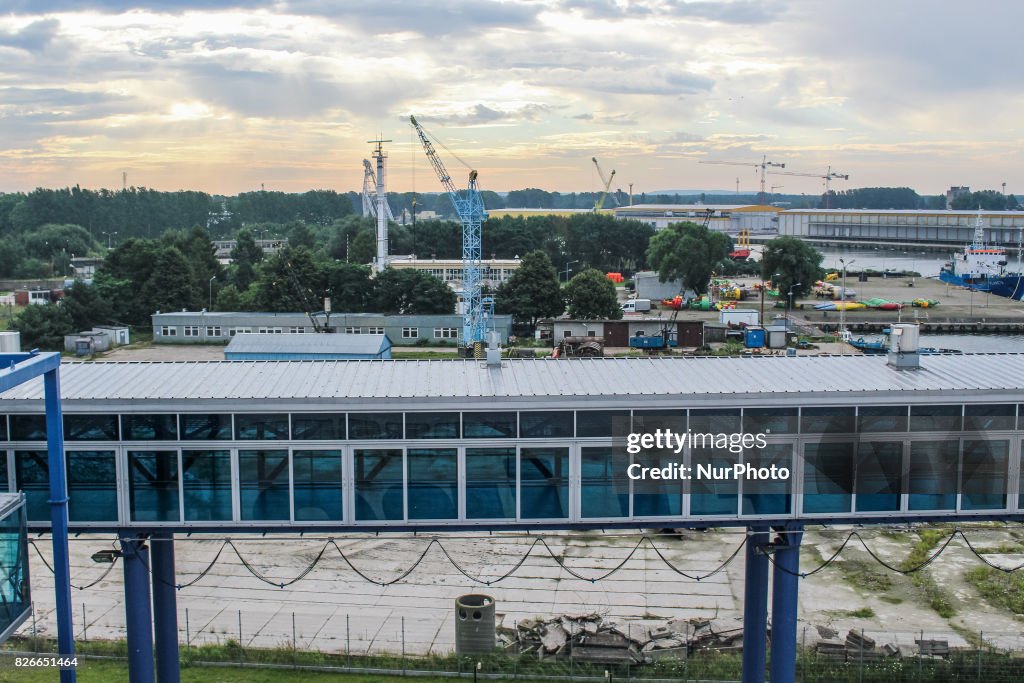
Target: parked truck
{"points": [[636, 306]]}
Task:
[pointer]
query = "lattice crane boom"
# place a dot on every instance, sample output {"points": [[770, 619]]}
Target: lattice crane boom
{"points": [[763, 167], [469, 206], [370, 192], [607, 183], [828, 177]]}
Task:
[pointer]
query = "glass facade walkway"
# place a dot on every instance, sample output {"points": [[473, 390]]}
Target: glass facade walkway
{"points": [[515, 467]]}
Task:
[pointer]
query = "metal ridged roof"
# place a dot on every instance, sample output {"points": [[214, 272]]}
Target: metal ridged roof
{"points": [[450, 379], [370, 344]]}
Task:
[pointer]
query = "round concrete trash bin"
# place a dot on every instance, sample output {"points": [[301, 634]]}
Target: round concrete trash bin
{"points": [[474, 624]]}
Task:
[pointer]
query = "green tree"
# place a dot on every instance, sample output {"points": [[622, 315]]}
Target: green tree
{"points": [[790, 262], [290, 280], [244, 257], [170, 286], [532, 292], [200, 254], [43, 327], [412, 292], [12, 254], [350, 287], [300, 235], [86, 306], [591, 296], [987, 200], [688, 252], [123, 274], [343, 231], [48, 241], [875, 198], [228, 299], [362, 248]]}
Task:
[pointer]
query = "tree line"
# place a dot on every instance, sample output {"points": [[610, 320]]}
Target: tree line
{"points": [[180, 271]]}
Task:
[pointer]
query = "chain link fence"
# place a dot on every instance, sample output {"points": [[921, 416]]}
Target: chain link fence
{"points": [[642, 651]]}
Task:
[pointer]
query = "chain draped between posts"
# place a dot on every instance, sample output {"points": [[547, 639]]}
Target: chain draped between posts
{"points": [[251, 567]]}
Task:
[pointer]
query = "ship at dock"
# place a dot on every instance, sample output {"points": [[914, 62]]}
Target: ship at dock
{"points": [[983, 268]]}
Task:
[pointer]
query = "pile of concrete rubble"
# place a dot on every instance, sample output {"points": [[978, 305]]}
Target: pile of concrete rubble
{"points": [[857, 647], [593, 639]]}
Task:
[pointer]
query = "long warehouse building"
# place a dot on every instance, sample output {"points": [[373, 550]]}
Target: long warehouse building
{"points": [[267, 445], [870, 226]]}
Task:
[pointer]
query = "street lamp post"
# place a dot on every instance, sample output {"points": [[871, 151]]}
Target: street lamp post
{"points": [[568, 269], [211, 292], [842, 308], [775, 278], [789, 300]]}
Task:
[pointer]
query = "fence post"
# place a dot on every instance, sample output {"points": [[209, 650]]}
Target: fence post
{"points": [[403, 645], [515, 660], [188, 634], [629, 635], [861, 678], [294, 644], [35, 633], [981, 647], [240, 655], [801, 657], [572, 658], [85, 626], [348, 643], [920, 659]]}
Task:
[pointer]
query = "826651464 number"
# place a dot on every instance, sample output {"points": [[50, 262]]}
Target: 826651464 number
{"points": [[46, 662]]}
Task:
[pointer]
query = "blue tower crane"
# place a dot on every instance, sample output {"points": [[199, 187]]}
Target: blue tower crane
{"points": [[469, 206]]}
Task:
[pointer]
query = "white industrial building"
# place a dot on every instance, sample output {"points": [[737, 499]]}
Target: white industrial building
{"points": [[212, 327], [731, 218], [495, 272], [872, 226]]}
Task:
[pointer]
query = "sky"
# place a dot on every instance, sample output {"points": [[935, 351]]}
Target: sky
{"points": [[228, 96]]}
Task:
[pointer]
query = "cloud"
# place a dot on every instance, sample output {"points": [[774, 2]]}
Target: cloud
{"points": [[608, 80], [608, 118], [32, 38], [726, 12], [242, 85], [732, 12], [481, 114], [118, 6], [426, 17]]}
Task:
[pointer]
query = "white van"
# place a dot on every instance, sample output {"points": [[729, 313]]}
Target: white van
{"points": [[636, 306]]}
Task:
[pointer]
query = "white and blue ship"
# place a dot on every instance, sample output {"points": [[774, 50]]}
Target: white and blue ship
{"points": [[983, 268]]}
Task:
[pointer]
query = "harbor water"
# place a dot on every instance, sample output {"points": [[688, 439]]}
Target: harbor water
{"points": [[976, 343]]}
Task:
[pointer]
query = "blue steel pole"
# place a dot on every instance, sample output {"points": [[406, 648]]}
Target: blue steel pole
{"points": [[785, 593], [59, 519], [755, 606], [138, 615], [165, 608]]}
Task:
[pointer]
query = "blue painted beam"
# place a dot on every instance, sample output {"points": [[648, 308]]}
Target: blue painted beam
{"points": [[755, 606], [138, 615], [785, 599], [58, 508], [165, 608], [17, 368]]}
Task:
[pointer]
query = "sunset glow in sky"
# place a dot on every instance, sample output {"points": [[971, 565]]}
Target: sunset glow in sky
{"points": [[222, 95]]}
